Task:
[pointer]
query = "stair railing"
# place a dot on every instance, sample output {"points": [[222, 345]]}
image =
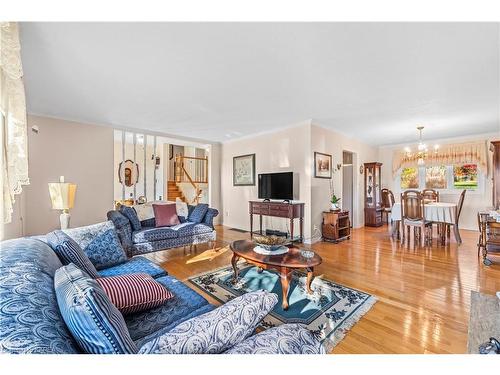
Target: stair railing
{"points": [[193, 170]]}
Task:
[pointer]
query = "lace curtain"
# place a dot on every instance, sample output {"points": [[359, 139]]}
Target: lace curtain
{"points": [[464, 153], [13, 118]]}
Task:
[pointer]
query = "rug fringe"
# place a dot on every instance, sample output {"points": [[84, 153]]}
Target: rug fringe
{"points": [[338, 335]]}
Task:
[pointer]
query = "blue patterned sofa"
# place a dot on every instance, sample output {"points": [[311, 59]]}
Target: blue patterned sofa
{"points": [[31, 322], [148, 238]]}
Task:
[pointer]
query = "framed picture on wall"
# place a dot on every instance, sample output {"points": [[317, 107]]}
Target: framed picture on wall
{"points": [[322, 165], [244, 170]]}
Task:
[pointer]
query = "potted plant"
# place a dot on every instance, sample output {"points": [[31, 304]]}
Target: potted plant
{"points": [[335, 206]]}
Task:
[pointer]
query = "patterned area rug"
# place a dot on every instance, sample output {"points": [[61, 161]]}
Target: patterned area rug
{"points": [[329, 312]]}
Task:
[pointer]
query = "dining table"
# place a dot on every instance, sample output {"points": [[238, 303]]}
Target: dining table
{"points": [[437, 212]]}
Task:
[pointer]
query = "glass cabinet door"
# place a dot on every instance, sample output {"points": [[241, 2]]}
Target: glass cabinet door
{"points": [[369, 185]]}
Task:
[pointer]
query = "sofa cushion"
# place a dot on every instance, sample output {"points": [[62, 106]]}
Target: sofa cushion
{"points": [[131, 215], [191, 229], [100, 242], [69, 251], [284, 339], [134, 292], [198, 213], [135, 265], [93, 320], [216, 331], [30, 321], [168, 315], [153, 234], [165, 215]]}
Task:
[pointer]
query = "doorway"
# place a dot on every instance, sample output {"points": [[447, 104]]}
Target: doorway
{"points": [[348, 183]]}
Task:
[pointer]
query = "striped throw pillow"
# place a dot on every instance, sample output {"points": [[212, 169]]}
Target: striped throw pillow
{"points": [[69, 251], [134, 292], [95, 323]]}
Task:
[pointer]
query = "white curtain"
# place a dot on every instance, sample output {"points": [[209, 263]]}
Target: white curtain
{"points": [[13, 118]]}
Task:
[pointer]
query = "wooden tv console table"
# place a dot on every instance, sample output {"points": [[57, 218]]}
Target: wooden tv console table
{"points": [[278, 209]]}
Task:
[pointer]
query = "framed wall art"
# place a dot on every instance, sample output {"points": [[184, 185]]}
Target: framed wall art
{"points": [[322, 165], [244, 170]]}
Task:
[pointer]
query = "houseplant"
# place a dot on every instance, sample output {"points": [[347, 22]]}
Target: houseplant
{"points": [[335, 206]]}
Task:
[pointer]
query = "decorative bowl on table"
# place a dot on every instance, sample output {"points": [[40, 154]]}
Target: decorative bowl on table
{"points": [[270, 243]]}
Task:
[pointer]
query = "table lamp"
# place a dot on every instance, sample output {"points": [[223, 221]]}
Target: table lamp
{"points": [[62, 195]]}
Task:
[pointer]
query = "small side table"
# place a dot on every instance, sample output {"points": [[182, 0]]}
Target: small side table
{"points": [[336, 226]]}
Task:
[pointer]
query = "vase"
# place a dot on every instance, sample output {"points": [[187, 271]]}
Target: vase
{"points": [[335, 206]]}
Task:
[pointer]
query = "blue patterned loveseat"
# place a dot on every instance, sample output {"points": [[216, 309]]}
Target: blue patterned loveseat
{"points": [[148, 238], [31, 322]]}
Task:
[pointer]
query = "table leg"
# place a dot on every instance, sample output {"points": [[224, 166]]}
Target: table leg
{"points": [[251, 225], [395, 228], [291, 228], [234, 263], [310, 276], [301, 224], [260, 224], [285, 285]]}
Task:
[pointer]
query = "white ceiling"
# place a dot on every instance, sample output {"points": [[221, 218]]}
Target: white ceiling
{"points": [[220, 81]]}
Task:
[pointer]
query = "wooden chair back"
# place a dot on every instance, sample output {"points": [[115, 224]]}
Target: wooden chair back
{"points": [[412, 205], [387, 198], [460, 204], [431, 194]]}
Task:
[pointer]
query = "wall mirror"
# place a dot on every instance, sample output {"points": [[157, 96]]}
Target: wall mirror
{"points": [[128, 173]]}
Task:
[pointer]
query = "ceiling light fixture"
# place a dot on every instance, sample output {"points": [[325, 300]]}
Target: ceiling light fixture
{"points": [[422, 151]]}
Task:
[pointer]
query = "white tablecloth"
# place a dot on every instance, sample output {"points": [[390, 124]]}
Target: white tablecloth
{"points": [[441, 212]]}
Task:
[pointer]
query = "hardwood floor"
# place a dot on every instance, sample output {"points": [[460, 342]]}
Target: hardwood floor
{"points": [[423, 293]]}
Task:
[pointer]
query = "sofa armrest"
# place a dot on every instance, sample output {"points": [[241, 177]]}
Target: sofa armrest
{"points": [[123, 228], [215, 331], [209, 217], [285, 339]]}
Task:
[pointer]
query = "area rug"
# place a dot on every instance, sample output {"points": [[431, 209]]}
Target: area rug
{"points": [[329, 312]]}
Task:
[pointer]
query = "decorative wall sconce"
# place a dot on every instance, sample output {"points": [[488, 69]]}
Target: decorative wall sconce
{"points": [[339, 166]]}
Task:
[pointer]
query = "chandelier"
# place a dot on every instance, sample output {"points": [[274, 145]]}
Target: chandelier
{"points": [[422, 152]]}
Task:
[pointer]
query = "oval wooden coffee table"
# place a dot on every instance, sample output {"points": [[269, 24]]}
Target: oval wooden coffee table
{"points": [[285, 264]]}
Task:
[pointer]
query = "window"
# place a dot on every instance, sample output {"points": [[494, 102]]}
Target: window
{"points": [[465, 176], [435, 177], [409, 178]]}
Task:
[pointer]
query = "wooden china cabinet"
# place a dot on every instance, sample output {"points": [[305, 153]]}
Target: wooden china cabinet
{"points": [[373, 194]]}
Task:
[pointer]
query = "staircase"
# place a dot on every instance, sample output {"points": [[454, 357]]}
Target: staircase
{"points": [[174, 192]]}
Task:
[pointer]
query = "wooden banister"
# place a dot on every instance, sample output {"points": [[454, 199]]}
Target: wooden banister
{"points": [[196, 173]]}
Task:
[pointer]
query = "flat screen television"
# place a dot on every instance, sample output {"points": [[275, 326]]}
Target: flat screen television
{"points": [[276, 186]]}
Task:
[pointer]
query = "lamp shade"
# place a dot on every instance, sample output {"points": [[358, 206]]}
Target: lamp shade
{"points": [[62, 195]]}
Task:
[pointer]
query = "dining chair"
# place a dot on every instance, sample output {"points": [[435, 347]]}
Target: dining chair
{"points": [[431, 195], [482, 219], [457, 218], [491, 240], [387, 203], [413, 215]]}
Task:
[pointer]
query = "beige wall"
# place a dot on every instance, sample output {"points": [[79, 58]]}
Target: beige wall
{"points": [[474, 200], [281, 151], [83, 154], [330, 142]]}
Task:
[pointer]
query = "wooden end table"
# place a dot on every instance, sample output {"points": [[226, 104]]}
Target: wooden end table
{"points": [[285, 264]]}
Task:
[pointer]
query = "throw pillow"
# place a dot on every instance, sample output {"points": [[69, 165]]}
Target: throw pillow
{"points": [[218, 330], [182, 209], [131, 214], [198, 213], [134, 292], [69, 251], [100, 242], [165, 215], [94, 322]]}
